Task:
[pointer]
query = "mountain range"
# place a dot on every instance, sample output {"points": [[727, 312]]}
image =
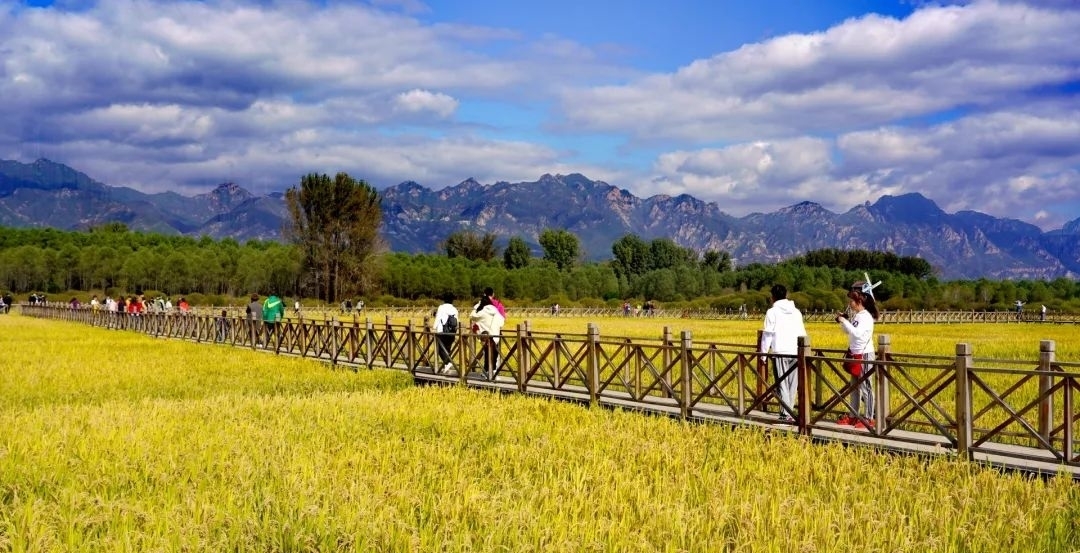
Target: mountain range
{"points": [[965, 244]]}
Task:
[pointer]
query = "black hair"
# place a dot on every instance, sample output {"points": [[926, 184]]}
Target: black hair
{"points": [[448, 297], [866, 300], [779, 292], [484, 302], [489, 291]]}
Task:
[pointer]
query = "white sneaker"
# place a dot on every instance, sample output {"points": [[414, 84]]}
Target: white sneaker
{"points": [[447, 368]]}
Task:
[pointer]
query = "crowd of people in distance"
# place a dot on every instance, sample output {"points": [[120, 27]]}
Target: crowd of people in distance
{"points": [[647, 309]]}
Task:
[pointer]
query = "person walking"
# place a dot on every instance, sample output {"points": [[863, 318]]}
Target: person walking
{"points": [[783, 326], [859, 358], [273, 310], [446, 329], [254, 318], [488, 322], [489, 293]]}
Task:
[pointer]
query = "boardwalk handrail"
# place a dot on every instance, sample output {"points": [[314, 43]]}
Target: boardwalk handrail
{"points": [[887, 316], [1003, 411]]}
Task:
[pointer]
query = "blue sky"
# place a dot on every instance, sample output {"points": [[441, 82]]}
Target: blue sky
{"points": [[752, 105]]}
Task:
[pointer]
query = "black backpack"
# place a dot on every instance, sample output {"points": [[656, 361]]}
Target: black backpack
{"points": [[451, 325]]}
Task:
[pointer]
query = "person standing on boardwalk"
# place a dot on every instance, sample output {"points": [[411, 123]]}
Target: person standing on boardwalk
{"points": [[273, 311], [488, 323], [446, 329], [254, 317], [783, 326], [1042, 314], [489, 293], [860, 355]]}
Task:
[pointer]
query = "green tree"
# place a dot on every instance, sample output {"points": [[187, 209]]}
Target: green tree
{"points": [[631, 256], [517, 254], [666, 254], [471, 245], [561, 247], [335, 224], [719, 261]]}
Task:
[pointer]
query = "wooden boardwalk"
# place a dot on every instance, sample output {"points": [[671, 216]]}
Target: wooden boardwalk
{"points": [[1016, 415]]}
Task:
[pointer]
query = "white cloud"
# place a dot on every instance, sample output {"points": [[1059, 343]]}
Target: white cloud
{"points": [[865, 71], [419, 101], [184, 95], [1020, 164]]}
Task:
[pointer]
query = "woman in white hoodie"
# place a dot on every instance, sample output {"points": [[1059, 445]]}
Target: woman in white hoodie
{"points": [[488, 322]]}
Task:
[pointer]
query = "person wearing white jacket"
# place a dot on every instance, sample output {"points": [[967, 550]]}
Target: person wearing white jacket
{"points": [[446, 329], [783, 326], [488, 322], [860, 357]]}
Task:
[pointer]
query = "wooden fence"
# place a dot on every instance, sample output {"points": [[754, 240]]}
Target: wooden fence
{"points": [[902, 317], [899, 317], [1021, 414]]}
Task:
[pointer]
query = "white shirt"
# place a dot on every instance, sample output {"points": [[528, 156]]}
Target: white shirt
{"points": [[441, 314], [783, 326], [860, 332]]}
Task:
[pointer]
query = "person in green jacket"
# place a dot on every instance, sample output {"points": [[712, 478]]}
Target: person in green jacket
{"points": [[273, 310]]}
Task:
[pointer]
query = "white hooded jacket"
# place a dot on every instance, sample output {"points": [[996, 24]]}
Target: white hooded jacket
{"points": [[487, 320], [783, 326]]}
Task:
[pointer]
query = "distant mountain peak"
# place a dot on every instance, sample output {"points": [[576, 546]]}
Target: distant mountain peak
{"points": [[416, 218], [910, 201], [805, 208], [227, 194]]}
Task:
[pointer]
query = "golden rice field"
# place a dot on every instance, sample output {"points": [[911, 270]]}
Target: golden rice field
{"points": [[989, 340], [998, 341], [112, 441]]}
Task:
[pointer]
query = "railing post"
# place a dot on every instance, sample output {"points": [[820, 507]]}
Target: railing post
{"points": [[301, 327], [802, 402], [523, 357], [369, 331], [334, 325], [1046, 401], [593, 362], [881, 384], [666, 360], [556, 344], [389, 341], [964, 363], [463, 356], [685, 361], [410, 347], [1067, 410]]}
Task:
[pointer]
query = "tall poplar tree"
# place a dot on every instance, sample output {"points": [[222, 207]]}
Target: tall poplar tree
{"points": [[335, 223], [561, 247]]}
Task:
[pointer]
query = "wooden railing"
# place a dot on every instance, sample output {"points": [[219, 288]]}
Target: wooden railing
{"points": [[887, 316], [1021, 413]]}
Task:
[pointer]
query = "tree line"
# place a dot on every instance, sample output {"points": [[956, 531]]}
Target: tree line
{"points": [[333, 250], [118, 261]]}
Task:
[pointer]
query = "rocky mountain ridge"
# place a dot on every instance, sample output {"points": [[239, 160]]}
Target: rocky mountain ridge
{"points": [[965, 244]]}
